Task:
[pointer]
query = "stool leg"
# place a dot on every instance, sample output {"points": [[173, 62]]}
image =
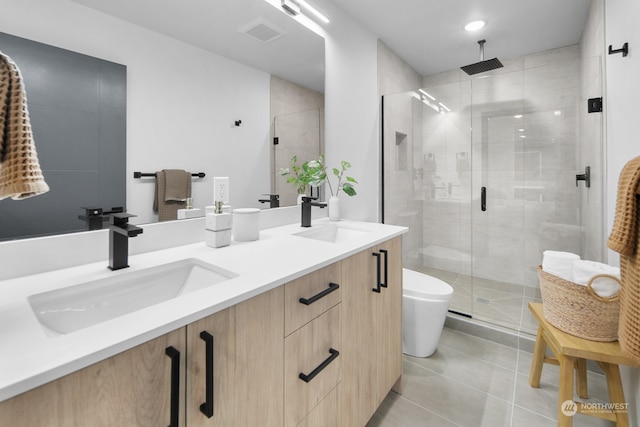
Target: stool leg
{"points": [[616, 394], [538, 359], [566, 389], [581, 378]]}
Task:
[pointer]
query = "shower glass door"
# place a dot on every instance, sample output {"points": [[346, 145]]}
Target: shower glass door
{"points": [[483, 172]]}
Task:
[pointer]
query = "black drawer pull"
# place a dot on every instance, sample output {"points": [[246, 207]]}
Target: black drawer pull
{"points": [[332, 287], [175, 384], [307, 378], [483, 199], [386, 265], [207, 407], [377, 288]]}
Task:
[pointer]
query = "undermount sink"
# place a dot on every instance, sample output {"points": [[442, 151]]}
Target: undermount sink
{"points": [[70, 309], [332, 233]]}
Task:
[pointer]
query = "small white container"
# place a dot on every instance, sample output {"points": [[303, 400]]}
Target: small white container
{"points": [[246, 224], [217, 222]]}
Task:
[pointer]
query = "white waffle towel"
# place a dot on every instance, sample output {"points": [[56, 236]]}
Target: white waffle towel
{"points": [[606, 287], [559, 263]]}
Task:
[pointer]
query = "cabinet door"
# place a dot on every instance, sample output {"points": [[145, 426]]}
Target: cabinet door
{"points": [[359, 342], [389, 319], [259, 369], [214, 334], [132, 388]]}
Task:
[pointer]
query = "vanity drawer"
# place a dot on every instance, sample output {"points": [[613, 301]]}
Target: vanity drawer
{"points": [[320, 291], [312, 351], [325, 414]]}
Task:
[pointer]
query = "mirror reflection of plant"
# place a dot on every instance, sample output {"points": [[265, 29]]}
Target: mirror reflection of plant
{"points": [[319, 175], [300, 175]]}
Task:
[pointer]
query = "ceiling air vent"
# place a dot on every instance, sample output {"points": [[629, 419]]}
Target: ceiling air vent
{"points": [[262, 30]]}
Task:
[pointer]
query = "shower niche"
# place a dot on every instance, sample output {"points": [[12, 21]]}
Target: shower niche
{"points": [[521, 133]]}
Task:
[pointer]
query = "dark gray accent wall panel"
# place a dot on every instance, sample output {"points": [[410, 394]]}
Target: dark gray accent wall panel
{"points": [[78, 107]]}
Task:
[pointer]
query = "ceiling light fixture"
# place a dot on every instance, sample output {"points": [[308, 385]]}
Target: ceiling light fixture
{"points": [[314, 11], [474, 26], [427, 95]]}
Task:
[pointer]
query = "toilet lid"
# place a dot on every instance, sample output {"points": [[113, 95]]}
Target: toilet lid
{"points": [[420, 285]]}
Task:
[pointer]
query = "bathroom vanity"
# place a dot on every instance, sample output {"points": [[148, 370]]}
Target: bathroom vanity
{"points": [[304, 329]]}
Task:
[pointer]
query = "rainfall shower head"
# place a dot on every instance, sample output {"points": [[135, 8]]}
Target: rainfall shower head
{"points": [[482, 66]]}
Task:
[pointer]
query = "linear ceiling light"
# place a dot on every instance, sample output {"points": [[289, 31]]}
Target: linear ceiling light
{"points": [[314, 11], [425, 93]]}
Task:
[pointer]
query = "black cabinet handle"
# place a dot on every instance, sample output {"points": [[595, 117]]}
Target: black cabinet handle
{"points": [[332, 287], [307, 378], [483, 199], [377, 288], [386, 265], [207, 407], [175, 384]]}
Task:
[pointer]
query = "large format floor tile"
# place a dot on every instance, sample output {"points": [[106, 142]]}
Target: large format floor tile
{"points": [[474, 382]]}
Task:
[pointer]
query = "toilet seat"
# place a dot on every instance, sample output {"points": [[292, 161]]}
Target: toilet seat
{"points": [[419, 285]]}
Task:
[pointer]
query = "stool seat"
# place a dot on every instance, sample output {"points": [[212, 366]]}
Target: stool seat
{"points": [[571, 352]]}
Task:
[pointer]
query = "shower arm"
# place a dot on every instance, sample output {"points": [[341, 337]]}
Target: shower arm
{"points": [[481, 43]]}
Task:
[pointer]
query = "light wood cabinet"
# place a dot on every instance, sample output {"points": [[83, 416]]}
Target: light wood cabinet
{"points": [[371, 329], [132, 388]]}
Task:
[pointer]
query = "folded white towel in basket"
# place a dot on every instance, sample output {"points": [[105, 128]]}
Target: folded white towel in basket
{"points": [[606, 287], [559, 263]]}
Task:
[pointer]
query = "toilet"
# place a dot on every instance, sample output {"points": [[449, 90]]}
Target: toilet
{"points": [[425, 302]]}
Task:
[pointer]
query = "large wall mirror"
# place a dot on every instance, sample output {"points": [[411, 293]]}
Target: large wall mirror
{"points": [[267, 70]]}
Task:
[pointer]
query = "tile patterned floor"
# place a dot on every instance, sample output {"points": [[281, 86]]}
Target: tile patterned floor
{"points": [[474, 382]]}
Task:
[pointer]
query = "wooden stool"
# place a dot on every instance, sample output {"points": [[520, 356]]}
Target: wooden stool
{"points": [[572, 353]]}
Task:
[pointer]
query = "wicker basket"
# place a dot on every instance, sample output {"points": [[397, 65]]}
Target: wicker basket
{"points": [[577, 309]]}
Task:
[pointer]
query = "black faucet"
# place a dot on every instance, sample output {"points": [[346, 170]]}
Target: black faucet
{"points": [[119, 232], [306, 210], [273, 200]]}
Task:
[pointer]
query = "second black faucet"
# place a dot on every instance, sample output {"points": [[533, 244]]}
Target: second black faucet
{"points": [[307, 203]]}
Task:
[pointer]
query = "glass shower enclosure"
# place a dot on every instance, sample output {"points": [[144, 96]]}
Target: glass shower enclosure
{"points": [[483, 170]]}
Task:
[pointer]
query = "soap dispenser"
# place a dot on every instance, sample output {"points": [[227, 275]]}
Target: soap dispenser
{"points": [[218, 227]]}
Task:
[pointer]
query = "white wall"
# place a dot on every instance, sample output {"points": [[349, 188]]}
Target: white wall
{"points": [[623, 131], [352, 109], [182, 101]]}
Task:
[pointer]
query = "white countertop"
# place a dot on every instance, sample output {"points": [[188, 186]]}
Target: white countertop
{"points": [[30, 357]]}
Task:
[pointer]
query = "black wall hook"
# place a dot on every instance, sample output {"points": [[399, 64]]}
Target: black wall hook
{"points": [[238, 122], [624, 50]]}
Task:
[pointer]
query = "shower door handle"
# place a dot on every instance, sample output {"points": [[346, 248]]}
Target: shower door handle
{"points": [[483, 199]]}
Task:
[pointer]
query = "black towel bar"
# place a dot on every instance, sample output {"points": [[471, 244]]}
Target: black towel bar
{"points": [[141, 174]]}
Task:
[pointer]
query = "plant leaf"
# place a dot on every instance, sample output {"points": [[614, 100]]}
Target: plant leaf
{"points": [[336, 172], [348, 189], [345, 165], [351, 179]]}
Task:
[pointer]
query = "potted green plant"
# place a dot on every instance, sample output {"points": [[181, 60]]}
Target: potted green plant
{"points": [[319, 175], [299, 176]]}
